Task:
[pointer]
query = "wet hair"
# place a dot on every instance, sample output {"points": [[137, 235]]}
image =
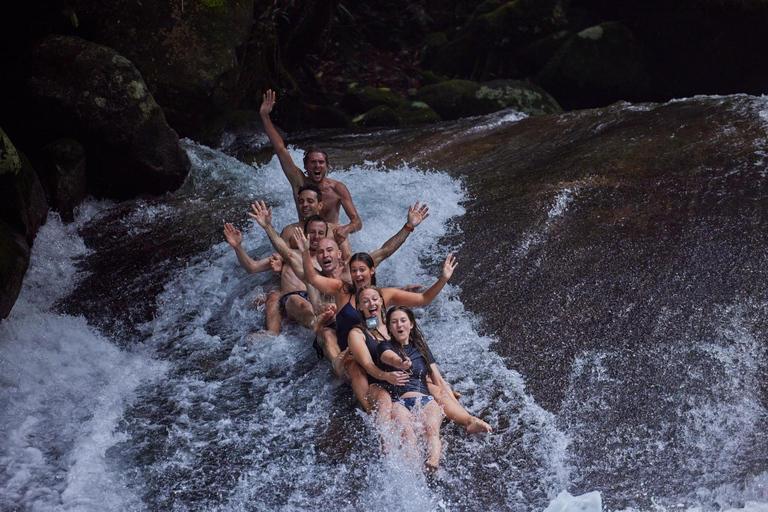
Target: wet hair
{"points": [[315, 149], [357, 301], [314, 189], [315, 218], [365, 258], [416, 337]]}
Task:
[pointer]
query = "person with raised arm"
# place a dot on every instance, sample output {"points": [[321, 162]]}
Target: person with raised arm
{"points": [[363, 273], [335, 194], [330, 262], [310, 201], [273, 262]]}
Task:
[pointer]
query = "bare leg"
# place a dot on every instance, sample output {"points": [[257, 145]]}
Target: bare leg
{"points": [[402, 422], [381, 404], [359, 382], [301, 310], [456, 413], [272, 311], [434, 418]]}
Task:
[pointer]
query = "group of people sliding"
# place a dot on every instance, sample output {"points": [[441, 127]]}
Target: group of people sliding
{"points": [[381, 353]]}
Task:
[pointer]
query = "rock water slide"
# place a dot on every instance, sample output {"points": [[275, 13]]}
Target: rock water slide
{"points": [[607, 318]]}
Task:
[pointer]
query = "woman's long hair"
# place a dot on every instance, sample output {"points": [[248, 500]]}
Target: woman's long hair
{"points": [[365, 258], [357, 304], [416, 337]]}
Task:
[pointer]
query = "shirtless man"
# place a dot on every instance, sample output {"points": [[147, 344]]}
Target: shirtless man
{"points": [[329, 261], [272, 262], [310, 201], [335, 194], [294, 300]]}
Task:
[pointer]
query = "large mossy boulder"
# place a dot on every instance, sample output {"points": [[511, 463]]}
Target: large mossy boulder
{"points": [[454, 99], [408, 113], [22, 199], [520, 96], [14, 260], [357, 101], [464, 98], [91, 93], [486, 46], [186, 50], [416, 112], [596, 66], [61, 168], [378, 116]]}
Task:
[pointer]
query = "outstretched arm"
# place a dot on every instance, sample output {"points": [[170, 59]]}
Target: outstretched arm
{"points": [[326, 285], [396, 296], [416, 214], [392, 359], [235, 239], [355, 224], [263, 217], [293, 173]]}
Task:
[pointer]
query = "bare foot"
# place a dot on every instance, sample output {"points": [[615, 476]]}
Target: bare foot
{"points": [[259, 301], [477, 426], [456, 394], [338, 365], [323, 318], [430, 468], [258, 336]]}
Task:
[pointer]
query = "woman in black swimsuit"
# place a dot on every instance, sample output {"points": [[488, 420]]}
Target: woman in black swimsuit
{"points": [[406, 350]]}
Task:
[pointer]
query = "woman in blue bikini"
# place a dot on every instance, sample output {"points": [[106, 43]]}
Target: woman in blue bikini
{"points": [[406, 350]]}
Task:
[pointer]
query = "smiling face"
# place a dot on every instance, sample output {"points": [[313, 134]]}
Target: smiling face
{"points": [[400, 326], [316, 166], [308, 204], [370, 303], [328, 255], [316, 231], [361, 273]]}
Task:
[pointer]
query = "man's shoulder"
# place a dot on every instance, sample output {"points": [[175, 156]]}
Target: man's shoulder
{"points": [[290, 227]]}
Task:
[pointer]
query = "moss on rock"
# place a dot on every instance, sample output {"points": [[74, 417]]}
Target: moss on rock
{"points": [[357, 101], [521, 96], [14, 260], [599, 65]]}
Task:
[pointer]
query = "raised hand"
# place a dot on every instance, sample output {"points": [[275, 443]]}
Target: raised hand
{"points": [[417, 214], [301, 239], [268, 102], [449, 266], [233, 236], [261, 214]]}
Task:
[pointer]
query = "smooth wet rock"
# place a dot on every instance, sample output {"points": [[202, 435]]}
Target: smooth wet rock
{"points": [[14, 260], [22, 200], [90, 92]]}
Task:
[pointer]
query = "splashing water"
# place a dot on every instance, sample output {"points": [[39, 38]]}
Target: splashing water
{"points": [[201, 413]]}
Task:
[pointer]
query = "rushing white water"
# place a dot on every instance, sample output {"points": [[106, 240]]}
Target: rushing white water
{"points": [[203, 412]]}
